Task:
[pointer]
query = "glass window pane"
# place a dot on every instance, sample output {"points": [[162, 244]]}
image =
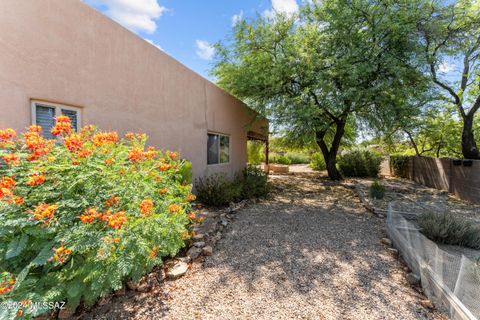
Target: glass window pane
{"points": [[212, 149], [73, 116], [45, 117], [224, 149]]}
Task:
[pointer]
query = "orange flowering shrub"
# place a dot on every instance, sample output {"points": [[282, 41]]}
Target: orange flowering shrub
{"points": [[82, 214]]}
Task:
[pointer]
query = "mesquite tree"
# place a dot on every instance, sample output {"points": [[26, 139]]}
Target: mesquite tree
{"points": [[335, 63], [450, 36]]}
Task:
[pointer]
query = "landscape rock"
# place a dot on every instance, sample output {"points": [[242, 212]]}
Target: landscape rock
{"points": [[413, 279], [186, 259], [193, 253], [160, 275], [143, 287], [178, 270], [198, 236], [207, 251], [386, 241], [393, 251], [133, 285], [427, 304], [199, 244]]}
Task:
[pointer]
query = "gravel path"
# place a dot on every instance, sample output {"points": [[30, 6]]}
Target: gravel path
{"points": [[310, 252]]}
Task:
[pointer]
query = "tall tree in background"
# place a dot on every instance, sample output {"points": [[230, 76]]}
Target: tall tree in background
{"points": [[450, 35], [336, 62]]}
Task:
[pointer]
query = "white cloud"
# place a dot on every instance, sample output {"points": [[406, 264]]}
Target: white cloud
{"points": [[135, 15], [236, 18], [288, 7], [205, 50], [446, 67], [154, 43]]}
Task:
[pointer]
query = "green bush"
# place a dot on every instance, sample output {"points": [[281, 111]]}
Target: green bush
{"points": [[276, 158], [217, 190], [297, 158], [447, 228], [377, 191], [317, 162], [360, 163], [81, 215], [255, 152], [399, 165], [254, 183]]}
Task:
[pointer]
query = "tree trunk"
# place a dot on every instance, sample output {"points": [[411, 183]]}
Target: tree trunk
{"points": [[469, 146], [330, 155], [413, 143]]}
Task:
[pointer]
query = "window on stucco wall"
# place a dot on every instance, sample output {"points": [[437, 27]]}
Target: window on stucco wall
{"points": [[44, 113], [218, 148]]}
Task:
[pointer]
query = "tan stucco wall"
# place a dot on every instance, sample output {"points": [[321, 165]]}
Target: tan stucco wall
{"points": [[64, 51]]}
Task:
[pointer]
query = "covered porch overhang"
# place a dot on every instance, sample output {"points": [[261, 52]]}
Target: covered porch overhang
{"points": [[256, 136]]}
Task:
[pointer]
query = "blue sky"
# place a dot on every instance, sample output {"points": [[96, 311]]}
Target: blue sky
{"points": [[186, 29]]}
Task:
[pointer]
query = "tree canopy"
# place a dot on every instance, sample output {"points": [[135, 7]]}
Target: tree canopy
{"points": [[334, 65]]}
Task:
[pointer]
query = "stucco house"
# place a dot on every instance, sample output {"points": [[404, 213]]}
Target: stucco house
{"points": [[61, 56]]}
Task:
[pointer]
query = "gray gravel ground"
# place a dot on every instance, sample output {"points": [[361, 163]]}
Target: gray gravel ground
{"points": [[310, 252]]}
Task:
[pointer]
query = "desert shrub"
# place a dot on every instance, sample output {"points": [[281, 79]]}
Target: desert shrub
{"points": [[217, 190], [82, 214], [276, 158], [447, 228], [377, 191], [253, 182], [317, 162], [360, 163], [255, 152], [297, 158], [399, 165]]}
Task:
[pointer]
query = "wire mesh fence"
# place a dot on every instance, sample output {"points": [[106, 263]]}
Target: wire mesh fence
{"points": [[450, 280]]}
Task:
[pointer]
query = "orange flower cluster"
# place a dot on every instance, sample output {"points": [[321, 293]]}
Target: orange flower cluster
{"points": [[132, 136], [192, 215], [62, 125], [89, 215], [185, 235], [102, 138], [165, 166], [114, 220], [174, 208], [111, 240], [36, 179], [153, 252], [7, 134], [11, 159], [44, 211], [173, 155], [112, 201], [7, 184], [7, 285], [17, 200], [36, 143], [60, 254], [135, 155], [117, 219], [146, 207], [191, 197], [74, 142], [163, 190], [110, 161]]}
